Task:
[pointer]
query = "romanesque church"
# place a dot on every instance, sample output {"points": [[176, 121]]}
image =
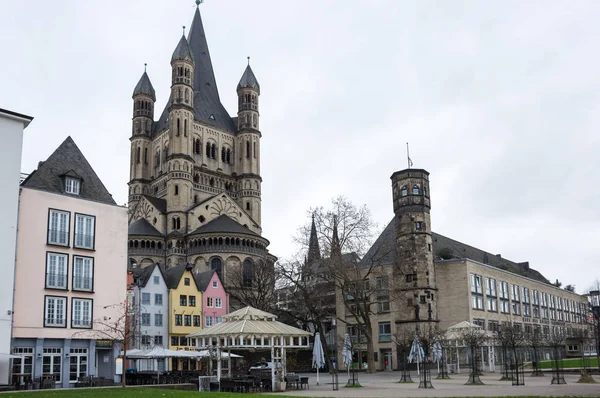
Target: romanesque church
{"points": [[195, 184]]}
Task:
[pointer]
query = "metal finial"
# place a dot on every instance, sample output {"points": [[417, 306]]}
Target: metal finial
{"points": [[184, 30], [198, 2], [248, 61], [145, 67]]}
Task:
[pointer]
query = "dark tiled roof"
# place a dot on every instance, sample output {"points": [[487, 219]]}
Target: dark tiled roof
{"points": [[142, 227], [160, 204], [144, 86], [67, 158], [249, 80], [173, 275], [383, 252], [208, 108], [182, 51], [223, 224], [142, 274], [203, 279]]}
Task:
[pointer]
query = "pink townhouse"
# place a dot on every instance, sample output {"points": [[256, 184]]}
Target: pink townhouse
{"points": [[70, 279], [215, 299]]}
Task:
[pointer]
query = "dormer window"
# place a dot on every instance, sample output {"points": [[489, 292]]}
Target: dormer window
{"points": [[72, 186]]}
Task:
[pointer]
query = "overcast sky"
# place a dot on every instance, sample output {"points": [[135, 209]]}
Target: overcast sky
{"points": [[500, 102]]}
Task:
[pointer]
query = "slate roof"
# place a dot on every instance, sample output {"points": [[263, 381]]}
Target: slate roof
{"points": [[249, 80], [68, 159], [173, 275], [182, 51], [208, 108], [142, 227], [203, 279], [160, 204], [144, 86], [224, 224], [383, 252]]}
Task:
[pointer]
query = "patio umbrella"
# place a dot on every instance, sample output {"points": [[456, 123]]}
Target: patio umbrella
{"points": [[318, 358], [9, 356], [347, 353], [437, 351], [416, 351]]}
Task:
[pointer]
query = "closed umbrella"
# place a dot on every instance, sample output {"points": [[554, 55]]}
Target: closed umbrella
{"points": [[318, 358], [416, 351], [347, 353]]}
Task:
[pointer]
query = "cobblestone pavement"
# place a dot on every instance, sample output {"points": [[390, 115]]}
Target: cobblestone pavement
{"points": [[385, 384]]}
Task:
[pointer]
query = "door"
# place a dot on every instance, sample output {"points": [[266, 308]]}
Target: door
{"points": [[387, 360], [105, 365]]}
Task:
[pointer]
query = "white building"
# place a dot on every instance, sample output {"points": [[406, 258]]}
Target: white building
{"points": [[12, 125]]}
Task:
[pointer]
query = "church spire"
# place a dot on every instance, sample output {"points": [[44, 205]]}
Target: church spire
{"points": [[314, 253], [336, 249]]}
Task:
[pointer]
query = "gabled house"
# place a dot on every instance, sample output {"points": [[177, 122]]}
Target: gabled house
{"points": [[151, 305], [215, 299], [185, 311], [69, 279]]}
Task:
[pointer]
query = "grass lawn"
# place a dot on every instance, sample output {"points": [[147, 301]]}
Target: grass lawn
{"points": [[126, 392], [569, 363]]}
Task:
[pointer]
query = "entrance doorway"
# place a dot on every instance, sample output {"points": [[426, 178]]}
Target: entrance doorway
{"points": [[387, 359], [104, 364]]}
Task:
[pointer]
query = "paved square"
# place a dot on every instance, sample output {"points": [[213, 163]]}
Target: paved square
{"points": [[384, 384]]}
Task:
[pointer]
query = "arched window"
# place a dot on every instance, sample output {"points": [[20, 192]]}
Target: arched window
{"points": [[198, 147], [178, 128], [416, 190], [217, 265], [137, 155], [223, 155], [213, 151], [185, 128], [208, 150], [187, 93], [254, 121], [404, 191], [196, 178], [247, 149], [247, 273], [254, 149], [247, 205], [229, 156], [145, 155], [176, 189], [157, 159]]}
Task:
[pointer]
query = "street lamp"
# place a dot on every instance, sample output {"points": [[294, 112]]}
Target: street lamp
{"points": [[334, 374], [594, 298]]}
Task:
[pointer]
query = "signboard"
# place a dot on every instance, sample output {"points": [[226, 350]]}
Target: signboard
{"points": [[119, 366], [104, 343]]}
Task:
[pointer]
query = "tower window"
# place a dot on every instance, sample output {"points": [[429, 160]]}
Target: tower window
{"points": [[217, 265], [178, 127], [198, 146], [404, 191], [418, 225], [208, 150], [176, 223], [187, 94], [185, 128], [223, 155], [137, 155], [145, 155], [416, 190], [254, 149], [195, 198], [247, 149], [176, 189], [247, 205], [228, 156], [196, 178], [213, 151], [247, 273]]}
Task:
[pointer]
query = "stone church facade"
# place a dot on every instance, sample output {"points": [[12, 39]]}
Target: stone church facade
{"points": [[195, 184]]}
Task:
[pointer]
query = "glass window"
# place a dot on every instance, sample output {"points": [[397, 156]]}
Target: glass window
{"points": [[178, 320], [81, 316], [218, 303], [83, 273], [187, 320], [477, 302], [84, 231], [158, 299], [197, 320], [146, 319], [58, 227], [56, 271], [385, 332], [192, 300], [174, 341], [72, 186], [158, 340], [215, 284], [156, 280], [55, 312], [183, 300], [476, 284], [209, 321], [52, 363], [158, 319], [22, 366], [209, 302], [490, 287], [217, 265], [186, 281], [78, 364], [492, 304], [145, 298]]}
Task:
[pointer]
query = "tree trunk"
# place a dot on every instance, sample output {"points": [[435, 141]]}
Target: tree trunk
{"points": [[123, 375], [370, 353]]}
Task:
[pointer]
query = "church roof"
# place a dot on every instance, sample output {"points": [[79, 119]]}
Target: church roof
{"points": [[182, 51], [383, 252], [143, 274], [224, 224], [208, 108], [144, 86], [249, 80], [67, 159], [160, 204], [142, 227]]}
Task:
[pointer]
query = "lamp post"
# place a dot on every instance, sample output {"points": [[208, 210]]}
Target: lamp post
{"points": [[334, 374], [594, 298]]}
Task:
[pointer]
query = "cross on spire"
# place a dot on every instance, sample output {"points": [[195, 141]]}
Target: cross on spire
{"points": [[184, 30]]}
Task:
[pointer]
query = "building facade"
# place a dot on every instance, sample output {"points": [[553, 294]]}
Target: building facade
{"points": [[424, 278], [12, 125], [70, 288], [195, 182]]}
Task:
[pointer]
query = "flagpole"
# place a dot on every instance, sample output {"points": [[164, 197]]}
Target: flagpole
{"points": [[407, 155]]}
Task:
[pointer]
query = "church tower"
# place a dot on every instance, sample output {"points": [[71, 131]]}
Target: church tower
{"points": [[248, 138], [414, 269], [144, 98]]}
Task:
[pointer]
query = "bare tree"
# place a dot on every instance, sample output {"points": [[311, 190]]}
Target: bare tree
{"points": [[536, 340], [556, 341], [570, 288], [252, 286], [514, 339], [403, 339], [120, 329], [474, 339]]}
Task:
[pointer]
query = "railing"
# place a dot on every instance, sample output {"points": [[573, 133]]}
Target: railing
{"points": [[58, 237], [138, 251], [82, 283], [225, 249], [58, 281], [84, 241], [55, 322], [176, 250], [82, 323]]}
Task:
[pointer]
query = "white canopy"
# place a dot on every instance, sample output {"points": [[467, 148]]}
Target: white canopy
{"points": [[160, 352]]}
